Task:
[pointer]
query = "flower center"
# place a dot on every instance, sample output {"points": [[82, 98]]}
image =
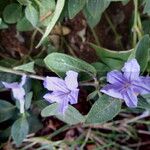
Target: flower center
{"points": [[126, 85]]}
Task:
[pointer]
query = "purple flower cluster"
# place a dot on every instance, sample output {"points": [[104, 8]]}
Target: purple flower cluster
{"points": [[127, 84]]}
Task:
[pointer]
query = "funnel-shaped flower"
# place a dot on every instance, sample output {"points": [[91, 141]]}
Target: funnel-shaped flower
{"points": [[127, 84], [17, 91], [63, 91]]}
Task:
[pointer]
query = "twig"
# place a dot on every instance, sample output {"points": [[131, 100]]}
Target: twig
{"points": [[86, 139], [3, 69], [143, 115]]}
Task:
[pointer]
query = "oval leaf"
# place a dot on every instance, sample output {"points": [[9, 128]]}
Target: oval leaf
{"points": [[7, 110], [59, 7], [104, 109], [32, 15], [74, 7], [20, 130], [12, 13], [71, 116], [142, 52], [61, 63], [46, 10]]}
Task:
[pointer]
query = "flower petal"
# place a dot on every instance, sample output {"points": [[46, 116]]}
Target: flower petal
{"points": [[131, 70], [73, 96], [71, 80], [56, 96], [10, 85], [130, 98], [112, 90], [59, 98], [23, 80], [55, 84], [142, 85], [62, 107], [18, 93], [115, 77]]}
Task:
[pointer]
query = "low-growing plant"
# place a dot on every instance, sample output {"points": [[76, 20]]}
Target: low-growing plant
{"points": [[116, 78]]}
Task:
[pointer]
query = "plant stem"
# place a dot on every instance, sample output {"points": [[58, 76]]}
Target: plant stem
{"points": [[118, 41], [7, 70], [38, 3], [137, 26], [86, 139], [95, 37]]}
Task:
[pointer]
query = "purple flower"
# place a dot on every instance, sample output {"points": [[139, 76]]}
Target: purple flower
{"points": [[64, 91], [127, 84], [18, 91]]}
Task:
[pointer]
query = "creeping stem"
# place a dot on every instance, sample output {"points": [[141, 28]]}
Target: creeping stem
{"points": [[137, 25], [7, 70]]}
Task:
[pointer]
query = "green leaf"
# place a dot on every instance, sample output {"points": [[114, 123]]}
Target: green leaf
{"points": [[8, 77], [92, 21], [96, 7], [101, 69], [113, 59], [35, 124], [24, 25], [23, 2], [143, 103], [29, 67], [41, 104], [142, 52], [92, 95], [3, 25], [20, 130], [12, 13], [7, 110], [5, 133], [71, 116], [32, 15], [103, 110], [8, 63], [104, 53], [59, 7], [28, 99], [93, 11], [74, 7], [146, 7], [47, 7], [61, 63]]}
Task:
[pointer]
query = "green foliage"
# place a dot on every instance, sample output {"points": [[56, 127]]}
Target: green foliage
{"points": [[28, 99], [46, 10], [12, 13], [71, 116], [143, 103], [7, 110], [74, 7], [42, 15], [146, 7], [103, 110], [32, 15], [3, 25], [112, 59], [24, 25], [29, 67], [59, 7], [61, 63], [93, 11], [20, 130], [142, 52]]}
